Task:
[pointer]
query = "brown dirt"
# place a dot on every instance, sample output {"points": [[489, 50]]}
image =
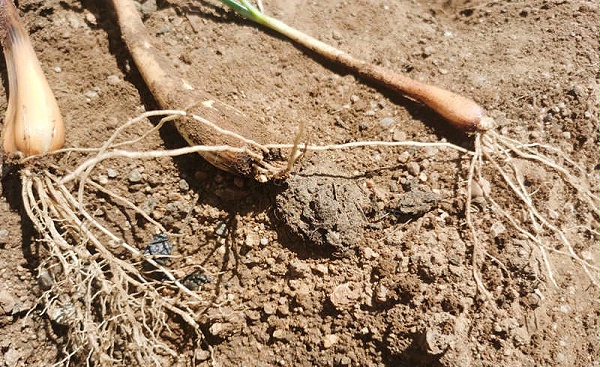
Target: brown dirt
{"points": [[362, 258]]}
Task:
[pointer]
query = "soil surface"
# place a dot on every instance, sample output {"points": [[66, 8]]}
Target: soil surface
{"points": [[362, 257]]}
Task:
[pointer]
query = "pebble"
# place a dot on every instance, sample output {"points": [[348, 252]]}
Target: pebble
{"points": [[135, 176], [7, 302], [111, 173], [102, 179], [148, 7], [403, 157], [269, 308], [345, 361], [381, 293], [183, 185], [298, 269], [497, 229], [202, 355], [320, 269], [431, 151], [4, 234], [113, 80], [91, 19], [329, 340], [476, 191], [149, 205], [344, 296], [220, 329], [264, 241], [280, 334], [399, 135], [252, 240], [336, 35], [12, 356], [413, 168], [57, 69], [387, 121], [369, 253], [45, 280], [221, 229], [91, 94]]}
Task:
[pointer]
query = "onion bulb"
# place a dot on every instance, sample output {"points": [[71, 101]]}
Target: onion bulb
{"points": [[33, 122]]}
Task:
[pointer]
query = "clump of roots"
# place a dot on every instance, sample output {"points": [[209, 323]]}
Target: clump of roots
{"points": [[110, 304], [500, 159]]}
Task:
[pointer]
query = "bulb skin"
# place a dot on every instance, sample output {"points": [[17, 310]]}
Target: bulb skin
{"points": [[33, 123]]}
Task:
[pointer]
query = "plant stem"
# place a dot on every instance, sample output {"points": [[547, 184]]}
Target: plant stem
{"points": [[460, 111]]}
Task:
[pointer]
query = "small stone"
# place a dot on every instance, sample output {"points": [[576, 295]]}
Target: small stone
{"points": [[135, 176], [159, 245], [200, 176], [111, 173], [4, 234], [149, 7], [113, 80], [57, 69], [345, 361], [387, 122], [280, 334], [269, 308], [579, 91], [413, 168], [221, 229], [91, 19], [354, 98], [149, 205], [264, 241], [520, 336], [7, 302], [195, 280], [298, 269], [476, 190], [431, 151], [329, 340], [252, 240], [585, 254], [183, 185], [336, 35], [219, 329], [381, 293], [320, 269], [45, 280], [565, 308], [399, 135], [344, 296], [202, 355], [403, 157], [102, 179], [369, 253], [497, 229], [91, 94], [12, 356]]}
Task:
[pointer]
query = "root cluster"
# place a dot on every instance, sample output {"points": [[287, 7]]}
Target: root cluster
{"points": [[116, 310]]}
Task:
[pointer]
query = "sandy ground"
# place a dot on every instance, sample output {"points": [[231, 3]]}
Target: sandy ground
{"points": [[363, 257]]}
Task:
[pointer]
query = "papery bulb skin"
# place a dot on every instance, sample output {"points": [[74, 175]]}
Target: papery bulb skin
{"points": [[33, 123]]}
